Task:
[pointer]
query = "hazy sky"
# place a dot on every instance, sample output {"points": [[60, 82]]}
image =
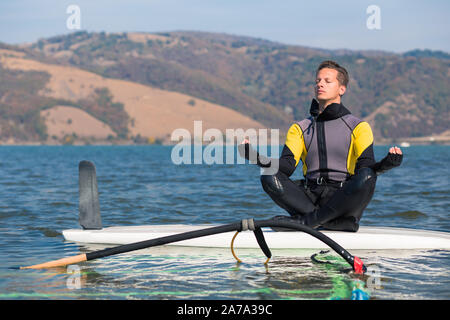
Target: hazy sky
{"points": [[331, 24]]}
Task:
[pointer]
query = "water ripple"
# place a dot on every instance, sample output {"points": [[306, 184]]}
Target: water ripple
{"points": [[140, 185]]}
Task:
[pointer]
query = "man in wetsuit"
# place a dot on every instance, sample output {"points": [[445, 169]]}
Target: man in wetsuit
{"points": [[336, 151]]}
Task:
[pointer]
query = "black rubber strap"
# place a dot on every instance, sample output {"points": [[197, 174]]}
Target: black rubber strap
{"points": [[262, 242]]}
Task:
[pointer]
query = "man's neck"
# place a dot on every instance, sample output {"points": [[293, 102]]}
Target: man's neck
{"points": [[325, 103]]}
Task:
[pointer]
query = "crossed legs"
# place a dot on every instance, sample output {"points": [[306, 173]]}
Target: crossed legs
{"points": [[327, 206]]}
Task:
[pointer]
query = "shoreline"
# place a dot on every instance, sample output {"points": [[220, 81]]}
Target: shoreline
{"points": [[442, 139], [402, 143]]}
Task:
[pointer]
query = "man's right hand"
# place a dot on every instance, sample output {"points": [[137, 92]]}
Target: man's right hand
{"points": [[244, 150], [247, 152]]}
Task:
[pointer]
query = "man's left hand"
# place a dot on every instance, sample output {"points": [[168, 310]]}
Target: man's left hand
{"points": [[393, 159]]}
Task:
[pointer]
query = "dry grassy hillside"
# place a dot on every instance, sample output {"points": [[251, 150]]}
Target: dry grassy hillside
{"points": [[153, 113]]}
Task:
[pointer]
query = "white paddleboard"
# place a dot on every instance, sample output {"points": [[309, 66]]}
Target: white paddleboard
{"points": [[366, 238]]}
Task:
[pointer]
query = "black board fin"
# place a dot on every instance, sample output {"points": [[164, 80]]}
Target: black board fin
{"points": [[89, 205]]}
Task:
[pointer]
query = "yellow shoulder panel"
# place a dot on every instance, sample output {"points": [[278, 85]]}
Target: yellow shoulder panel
{"points": [[362, 137], [294, 141]]}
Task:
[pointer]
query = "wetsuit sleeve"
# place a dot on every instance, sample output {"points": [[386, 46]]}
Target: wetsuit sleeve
{"points": [[292, 150], [363, 146]]}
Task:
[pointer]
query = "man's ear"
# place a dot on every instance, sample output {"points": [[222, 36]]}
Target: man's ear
{"points": [[342, 90]]}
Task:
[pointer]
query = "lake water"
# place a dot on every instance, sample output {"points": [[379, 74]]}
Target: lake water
{"points": [[141, 185]]}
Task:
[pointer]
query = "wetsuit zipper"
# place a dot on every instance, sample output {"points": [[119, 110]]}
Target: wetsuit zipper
{"points": [[322, 146]]}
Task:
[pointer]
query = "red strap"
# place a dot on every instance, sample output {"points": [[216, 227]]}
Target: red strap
{"points": [[358, 265]]}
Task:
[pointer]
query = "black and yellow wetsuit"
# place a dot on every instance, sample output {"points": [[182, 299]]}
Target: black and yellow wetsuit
{"points": [[332, 146], [338, 163], [336, 152]]}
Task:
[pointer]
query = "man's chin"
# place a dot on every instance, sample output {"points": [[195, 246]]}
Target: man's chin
{"points": [[325, 99]]}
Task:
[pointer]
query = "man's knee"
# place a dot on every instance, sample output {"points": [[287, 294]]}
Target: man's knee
{"points": [[272, 185]]}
